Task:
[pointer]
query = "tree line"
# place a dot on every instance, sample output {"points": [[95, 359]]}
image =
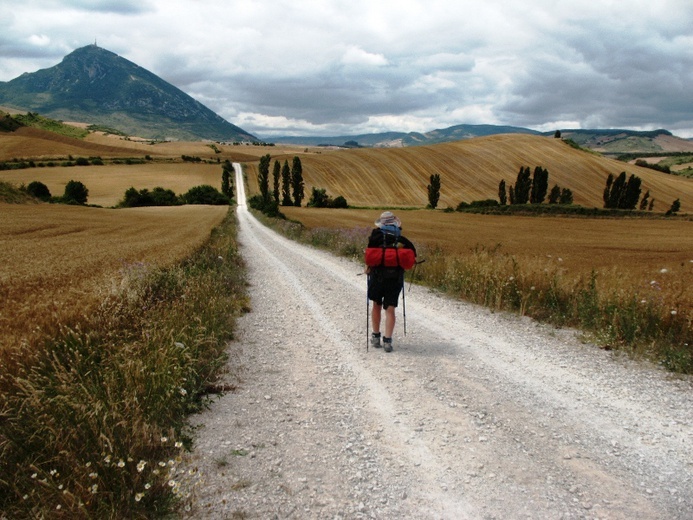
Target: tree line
{"points": [[532, 188]]}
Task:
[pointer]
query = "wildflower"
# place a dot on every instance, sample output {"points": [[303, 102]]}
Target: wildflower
{"points": [[155, 472], [87, 464], [164, 439], [107, 459], [53, 472], [147, 485], [183, 391], [121, 463], [58, 507], [171, 463], [673, 313], [140, 466], [532, 288], [25, 497], [34, 475], [171, 483], [653, 282], [179, 344], [93, 475], [162, 464], [643, 301], [179, 444], [94, 489], [138, 497], [664, 271], [60, 486]]}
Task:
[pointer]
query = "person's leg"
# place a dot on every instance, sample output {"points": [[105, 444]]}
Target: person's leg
{"points": [[376, 314], [389, 321], [375, 318]]}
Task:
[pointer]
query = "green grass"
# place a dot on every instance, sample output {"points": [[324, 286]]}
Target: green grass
{"points": [[93, 424], [51, 125]]}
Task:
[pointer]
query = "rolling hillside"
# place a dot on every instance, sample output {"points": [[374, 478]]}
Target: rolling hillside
{"points": [[471, 170]]}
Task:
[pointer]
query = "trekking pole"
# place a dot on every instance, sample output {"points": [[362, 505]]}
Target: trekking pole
{"points": [[404, 307], [368, 286]]}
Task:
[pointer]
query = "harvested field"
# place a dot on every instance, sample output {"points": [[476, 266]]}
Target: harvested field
{"points": [[471, 170], [624, 251], [107, 184], [58, 261]]}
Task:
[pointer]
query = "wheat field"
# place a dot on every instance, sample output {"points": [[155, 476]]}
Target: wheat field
{"points": [[58, 261], [107, 184], [471, 170], [639, 246]]}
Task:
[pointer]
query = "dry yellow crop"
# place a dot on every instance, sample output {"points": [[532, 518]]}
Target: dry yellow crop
{"points": [[58, 261], [471, 170], [626, 253]]}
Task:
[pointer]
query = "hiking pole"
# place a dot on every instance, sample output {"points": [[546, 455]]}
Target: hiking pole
{"points": [[368, 286], [404, 306]]}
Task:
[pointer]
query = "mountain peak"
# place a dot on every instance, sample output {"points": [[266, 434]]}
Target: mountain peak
{"points": [[96, 85]]}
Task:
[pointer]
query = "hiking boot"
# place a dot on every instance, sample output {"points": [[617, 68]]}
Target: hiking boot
{"points": [[387, 344], [375, 341]]}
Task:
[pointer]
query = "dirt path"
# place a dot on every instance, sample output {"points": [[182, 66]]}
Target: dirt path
{"points": [[474, 414]]}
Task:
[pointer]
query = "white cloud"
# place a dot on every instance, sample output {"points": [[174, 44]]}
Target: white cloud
{"points": [[327, 66]]}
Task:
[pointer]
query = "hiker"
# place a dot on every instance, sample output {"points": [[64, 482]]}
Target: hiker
{"points": [[387, 256]]}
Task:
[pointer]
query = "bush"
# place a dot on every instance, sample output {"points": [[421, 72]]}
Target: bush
{"points": [[75, 193], [269, 207], [157, 197], [320, 199], [486, 203], [205, 194], [39, 190]]}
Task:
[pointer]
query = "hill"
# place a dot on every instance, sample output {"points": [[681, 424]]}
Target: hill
{"points": [[401, 139], [472, 169], [607, 141], [95, 85]]}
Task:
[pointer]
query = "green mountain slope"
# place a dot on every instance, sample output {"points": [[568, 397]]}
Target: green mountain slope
{"points": [[97, 86]]}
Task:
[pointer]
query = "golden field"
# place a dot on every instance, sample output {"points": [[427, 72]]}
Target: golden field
{"points": [[107, 183], [471, 170], [629, 252], [625, 254], [58, 261]]}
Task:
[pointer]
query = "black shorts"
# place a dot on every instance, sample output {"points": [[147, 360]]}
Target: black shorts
{"points": [[384, 286]]}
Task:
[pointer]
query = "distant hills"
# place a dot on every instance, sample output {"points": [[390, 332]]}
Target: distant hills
{"points": [[401, 139], [606, 141], [97, 86]]}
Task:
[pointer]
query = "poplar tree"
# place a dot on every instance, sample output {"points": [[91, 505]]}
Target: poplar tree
{"points": [[523, 186], [540, 185], [263, 177], [502, 195], [297, 185], [286, 185], [434, 191], [276, 173]]}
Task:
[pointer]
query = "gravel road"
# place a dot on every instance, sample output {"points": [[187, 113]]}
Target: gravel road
{"points": [[473, 415]]}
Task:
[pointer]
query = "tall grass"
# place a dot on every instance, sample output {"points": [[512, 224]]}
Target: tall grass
{"points": [[93, 423], [646, 318]]}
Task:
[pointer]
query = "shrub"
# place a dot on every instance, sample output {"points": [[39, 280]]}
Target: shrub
{"points": [[39, 190], [157, 197], [75, 193], [205, 194]]}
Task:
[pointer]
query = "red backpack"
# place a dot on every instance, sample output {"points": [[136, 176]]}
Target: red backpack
{"points": [[390, 255]]}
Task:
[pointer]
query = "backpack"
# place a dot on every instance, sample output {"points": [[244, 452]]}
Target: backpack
{"points": [[391, 254]]}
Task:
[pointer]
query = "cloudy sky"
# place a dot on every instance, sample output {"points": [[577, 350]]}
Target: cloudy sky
{"points": [[345, 67]]}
